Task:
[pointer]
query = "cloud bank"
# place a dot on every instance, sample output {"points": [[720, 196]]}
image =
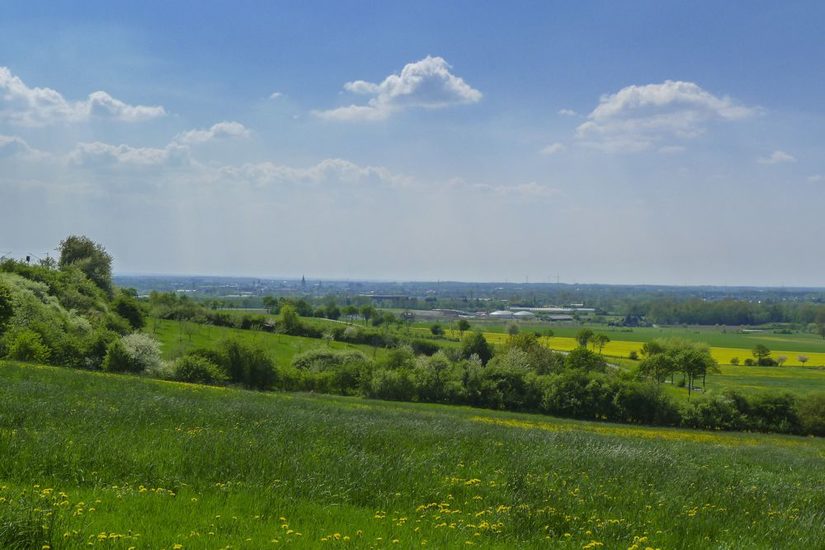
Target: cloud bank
{"points": [[26, 106]]}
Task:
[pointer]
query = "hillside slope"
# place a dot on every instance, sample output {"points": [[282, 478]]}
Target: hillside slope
{"points": [[126, 461]]}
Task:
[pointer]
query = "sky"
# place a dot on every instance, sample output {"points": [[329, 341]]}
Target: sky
{"points": [[594, 142]]}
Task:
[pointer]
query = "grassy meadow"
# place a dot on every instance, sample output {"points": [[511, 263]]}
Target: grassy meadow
{"points": [[179, 337], [119, 461]]}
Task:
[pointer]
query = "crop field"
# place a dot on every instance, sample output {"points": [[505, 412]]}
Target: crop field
{"points": [[622, 343], [99, 460]]}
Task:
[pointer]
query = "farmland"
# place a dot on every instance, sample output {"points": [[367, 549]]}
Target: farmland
{"points": [[171, 465]]}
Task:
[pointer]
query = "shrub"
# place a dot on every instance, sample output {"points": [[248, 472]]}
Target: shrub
{"points": [[713, 412], [394, 385], [27, 345], [644, 403], [585, 360], [812, 414], [249, 366], [197, 369], [734, 361], [476, 344], [749, 362], [634, 355], [127, 306], [133, 353]]}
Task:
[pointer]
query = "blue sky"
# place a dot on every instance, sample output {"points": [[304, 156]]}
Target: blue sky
{"points": [[626, 142]]}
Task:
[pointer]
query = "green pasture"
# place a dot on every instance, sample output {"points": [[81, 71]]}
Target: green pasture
{"points": [[180, 337], [100, 460]]}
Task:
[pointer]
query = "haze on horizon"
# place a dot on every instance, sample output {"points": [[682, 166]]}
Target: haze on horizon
{"points": [[628, 143]]}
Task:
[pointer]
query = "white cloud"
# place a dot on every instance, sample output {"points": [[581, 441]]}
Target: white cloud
{"points": [[553, 149], [637, 118], [25, 106], [777, 157], [427, 84], [99, 154], [275, 95], [529, 190], [328, 171], [567, 112], [12, 146], [217, 131]]}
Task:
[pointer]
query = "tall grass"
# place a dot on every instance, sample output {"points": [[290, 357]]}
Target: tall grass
{"points": [[124, 461]]}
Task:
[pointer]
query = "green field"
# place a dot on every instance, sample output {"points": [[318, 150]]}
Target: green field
{"points": [[123, 462], [180, 337]]}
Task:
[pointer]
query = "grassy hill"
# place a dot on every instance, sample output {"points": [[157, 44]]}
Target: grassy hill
{"points": [[118, 462]]}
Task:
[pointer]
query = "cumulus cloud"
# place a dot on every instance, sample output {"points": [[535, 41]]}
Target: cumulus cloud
{"points": [[27, 106], [638, 118], [426, 84], [275, 95], [567, 112], [777, 157], [553, 149], [97, 154], [217, 131]]}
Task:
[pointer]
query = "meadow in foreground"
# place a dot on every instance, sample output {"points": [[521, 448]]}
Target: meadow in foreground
{"points": [[119, 462]]}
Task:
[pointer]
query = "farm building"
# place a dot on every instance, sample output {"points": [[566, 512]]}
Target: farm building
{"points": [[524, 315], [502, 314]]}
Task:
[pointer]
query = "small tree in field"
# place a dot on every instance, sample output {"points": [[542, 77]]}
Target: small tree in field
{"points": [[781, 359], [437, 330], [802, 359], [761, 353], [599, 341], [583, 337], [463, 325]]}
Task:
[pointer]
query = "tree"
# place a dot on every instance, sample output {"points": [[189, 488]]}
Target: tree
{"points": [[88, 256], [437, 330], [599, 341], [271, 304], [350, 311], [780, 359], [512, 329], [463, 325], [802, 359], [761, 353], [367, 312], [694, 360], [290, 320], [583, 337], [658, 367], [475, 344]]}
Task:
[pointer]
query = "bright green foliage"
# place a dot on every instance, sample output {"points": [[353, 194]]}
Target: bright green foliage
{"points": [[197, 369], [584, 360], [90, 257], [27, 345], [6, 306]]}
